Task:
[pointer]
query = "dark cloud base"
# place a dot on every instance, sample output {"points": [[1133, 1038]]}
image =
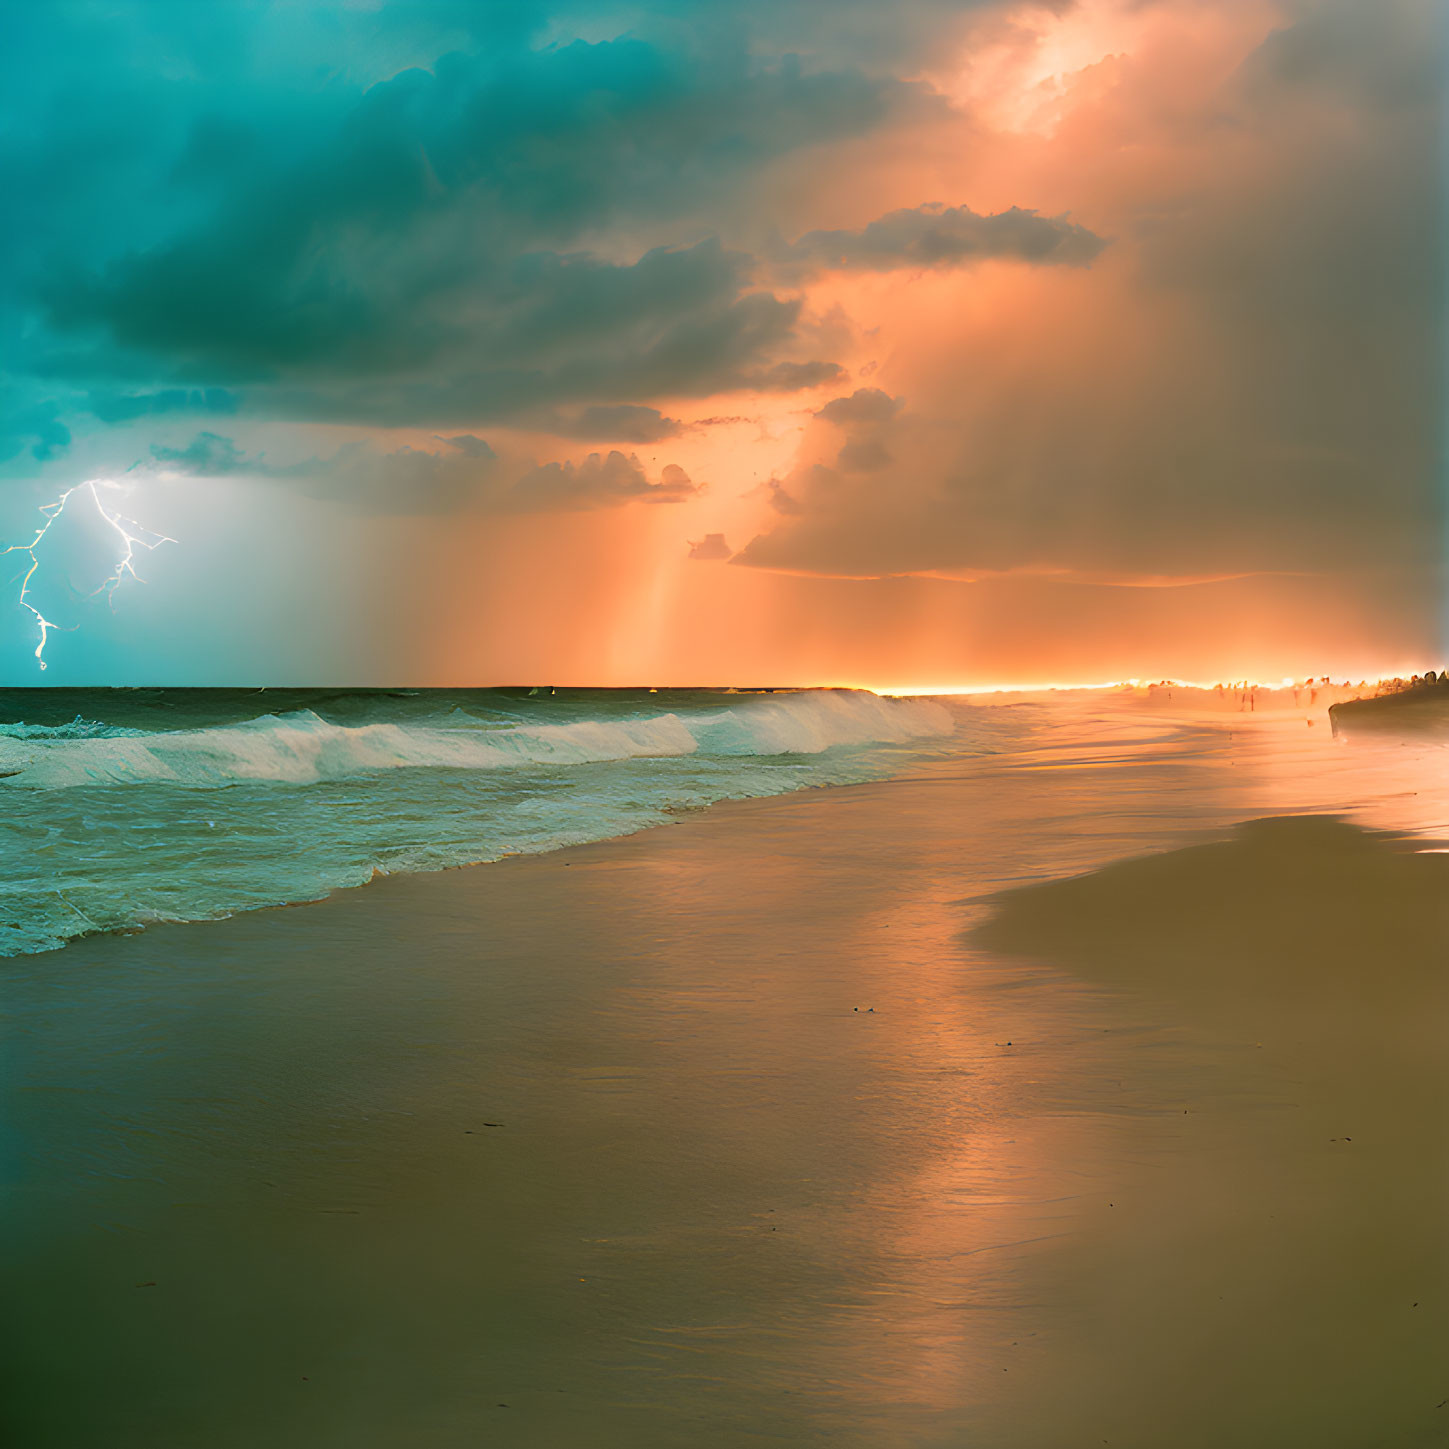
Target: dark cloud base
{"points": [[467, 476]]}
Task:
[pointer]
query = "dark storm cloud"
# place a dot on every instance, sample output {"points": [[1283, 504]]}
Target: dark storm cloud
{"points": [[470, 446], [712, 548], [943, 236], [580, 331], [864, 415], [434, 213], [601, 480], [471, 477], [111, 407], [365, 240], [616, 423], [898, 38], [792, 376], [207, 455], [864, 405]]}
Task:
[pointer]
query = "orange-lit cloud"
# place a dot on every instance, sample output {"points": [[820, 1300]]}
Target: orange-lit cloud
{"points": [[977, 341]]}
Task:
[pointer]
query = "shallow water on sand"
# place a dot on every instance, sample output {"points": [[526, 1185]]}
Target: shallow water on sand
{"points": [[123, 807], [773, 1128]]}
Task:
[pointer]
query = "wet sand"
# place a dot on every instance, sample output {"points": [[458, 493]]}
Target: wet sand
{"points": [[1290, 1245], [812, 1120]]}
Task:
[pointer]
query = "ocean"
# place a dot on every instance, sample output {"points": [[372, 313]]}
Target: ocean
{"points": [[123, 807]]}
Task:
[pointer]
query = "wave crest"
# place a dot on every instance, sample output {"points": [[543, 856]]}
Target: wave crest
{"points": [[303, 748], [77, 729]]}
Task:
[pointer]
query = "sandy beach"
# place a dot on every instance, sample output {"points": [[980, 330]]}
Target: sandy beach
{"points": [[1024, 1104]]}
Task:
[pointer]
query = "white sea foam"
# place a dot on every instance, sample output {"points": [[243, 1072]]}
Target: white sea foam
{"points": [[76, 729], [302, 748]]}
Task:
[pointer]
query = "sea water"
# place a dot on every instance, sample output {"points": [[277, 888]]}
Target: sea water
{"points": [[123, 807]]}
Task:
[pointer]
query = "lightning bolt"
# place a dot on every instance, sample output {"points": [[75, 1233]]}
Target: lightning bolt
{"points": [[125, 559]]}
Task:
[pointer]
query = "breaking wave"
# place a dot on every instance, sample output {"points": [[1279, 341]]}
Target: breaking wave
{"points": [[77, 729], [303, 748], [182, 806]]}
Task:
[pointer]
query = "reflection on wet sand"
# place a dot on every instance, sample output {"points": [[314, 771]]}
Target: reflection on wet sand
{"points": [[780, 1126], [1276, 1268]]}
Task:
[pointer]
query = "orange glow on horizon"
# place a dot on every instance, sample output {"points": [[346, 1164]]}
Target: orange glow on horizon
{"points": [[1338, 680]]}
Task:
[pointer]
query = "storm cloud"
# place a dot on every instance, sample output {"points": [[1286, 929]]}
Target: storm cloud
{"points": [[1006, 299], [1250, 384], [466, 475], [498, 228], [943, 236]]}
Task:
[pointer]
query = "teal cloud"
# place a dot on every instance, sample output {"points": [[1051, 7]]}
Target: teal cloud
{"points": [[465, 475], [114, 407], [421, 213], [36, 428]]}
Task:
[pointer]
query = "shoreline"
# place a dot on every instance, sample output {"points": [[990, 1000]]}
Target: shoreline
{"points": [[740, 1129], [341, 894], [917, 772]]}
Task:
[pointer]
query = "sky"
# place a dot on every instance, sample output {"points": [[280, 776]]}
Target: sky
{"points": [[933, 344]]}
